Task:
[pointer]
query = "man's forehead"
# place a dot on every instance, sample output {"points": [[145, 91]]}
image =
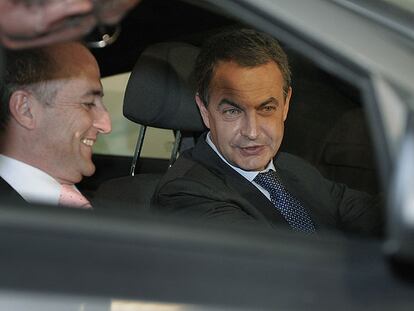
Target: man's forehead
{"points": [[233, 76], [257, 84], [76, 87], [72, 59]]}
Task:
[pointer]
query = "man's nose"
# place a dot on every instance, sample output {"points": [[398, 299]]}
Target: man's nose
{"points": [[102, 122], [249, 128]]}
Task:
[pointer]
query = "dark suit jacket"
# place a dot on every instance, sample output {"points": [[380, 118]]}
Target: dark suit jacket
{"points": [[201, 185], [8, 194]]}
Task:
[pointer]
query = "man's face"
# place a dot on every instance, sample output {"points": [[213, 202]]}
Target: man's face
{"points": [[68, 127], [246, 113]]}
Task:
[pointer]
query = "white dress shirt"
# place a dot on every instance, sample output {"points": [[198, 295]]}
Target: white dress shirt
{"points": [[34, 185], [249, 175]]}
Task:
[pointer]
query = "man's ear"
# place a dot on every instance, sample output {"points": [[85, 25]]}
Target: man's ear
{"points": [[21, 109], [287, 103], [203, 110]]}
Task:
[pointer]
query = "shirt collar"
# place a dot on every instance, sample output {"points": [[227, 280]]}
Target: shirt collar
{"points": [[249, 175], [34, 185]]}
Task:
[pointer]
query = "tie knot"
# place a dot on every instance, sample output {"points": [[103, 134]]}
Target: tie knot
{"points": [[70, 196], [268, 180]]}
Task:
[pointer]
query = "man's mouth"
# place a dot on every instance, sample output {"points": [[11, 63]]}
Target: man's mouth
{"points": [[88, 142], [251, 150]]}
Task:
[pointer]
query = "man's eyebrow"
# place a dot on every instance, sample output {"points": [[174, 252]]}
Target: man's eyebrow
{"points": [[94, 93], [226, 101], [271, 100]]}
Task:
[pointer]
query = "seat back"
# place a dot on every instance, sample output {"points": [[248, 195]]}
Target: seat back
{"points": [[347, 154], [129, 192], [160, 93], [326, 126]]}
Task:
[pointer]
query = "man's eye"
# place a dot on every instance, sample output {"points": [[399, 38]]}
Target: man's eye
{"points": [[88, 105], [231, 112], [268, 108]]}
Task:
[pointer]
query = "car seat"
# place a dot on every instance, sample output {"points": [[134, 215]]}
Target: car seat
{"points": [[326, 126], [160, 93]]}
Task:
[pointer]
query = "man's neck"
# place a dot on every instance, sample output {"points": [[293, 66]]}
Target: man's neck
{"points": [[249, 175]]}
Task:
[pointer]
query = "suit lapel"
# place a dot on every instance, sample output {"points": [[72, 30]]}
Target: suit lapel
{"points": [[203, 153], [8, 194], [256, 198]]}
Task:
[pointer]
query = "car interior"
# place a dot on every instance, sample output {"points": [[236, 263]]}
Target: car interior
{"points": [[326, 124]]}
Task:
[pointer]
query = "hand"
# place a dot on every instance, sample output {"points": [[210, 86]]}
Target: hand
{"points": [[111, 11], [28, 23]]}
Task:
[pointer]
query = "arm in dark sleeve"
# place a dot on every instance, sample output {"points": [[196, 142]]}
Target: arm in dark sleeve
{"points": [[357, 212], [190, 198], [346, 209]]}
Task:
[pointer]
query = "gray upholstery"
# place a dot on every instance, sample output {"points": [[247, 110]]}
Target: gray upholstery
{"points": [[160, 91], [326, 126], [129, 192], [347, 155], [160, 94]]}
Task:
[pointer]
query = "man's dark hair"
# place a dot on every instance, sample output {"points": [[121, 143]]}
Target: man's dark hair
{"points": [[246, 47], [24, 69]]}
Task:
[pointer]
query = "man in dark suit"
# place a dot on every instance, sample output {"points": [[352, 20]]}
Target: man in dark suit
{"points": [[8, 194], [235, 173], [51, 114]]}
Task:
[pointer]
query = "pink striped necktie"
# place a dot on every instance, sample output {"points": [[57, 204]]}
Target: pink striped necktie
{"points": [[70, 196]]}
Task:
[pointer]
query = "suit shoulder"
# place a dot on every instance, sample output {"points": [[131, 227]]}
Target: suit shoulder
{"points": [[284, 159], [188, 168]]}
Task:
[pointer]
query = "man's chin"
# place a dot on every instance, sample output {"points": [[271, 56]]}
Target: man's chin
{"points": [[257, 161], [89, 170], [252, 166]]}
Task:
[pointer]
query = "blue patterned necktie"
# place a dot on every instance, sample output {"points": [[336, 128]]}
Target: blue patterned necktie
{"points": [[293, 211]]}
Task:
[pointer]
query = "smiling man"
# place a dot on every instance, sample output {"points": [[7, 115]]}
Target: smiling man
{"points": [[235, 174], [51, 114]]}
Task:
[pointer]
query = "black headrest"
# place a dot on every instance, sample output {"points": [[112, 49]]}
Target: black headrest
{"points": [[160, 91]]}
